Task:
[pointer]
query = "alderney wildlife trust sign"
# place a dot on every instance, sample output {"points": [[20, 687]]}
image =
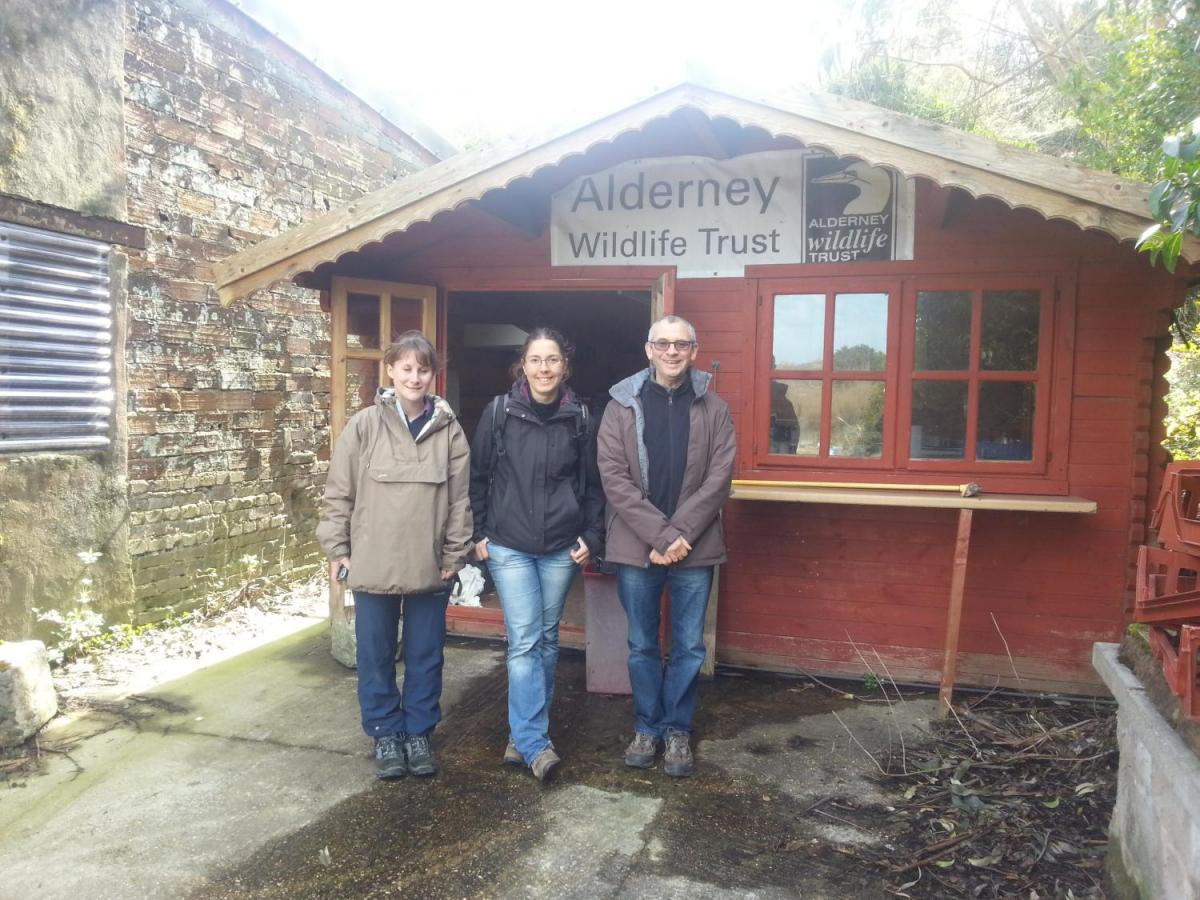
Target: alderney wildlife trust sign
{"points": [[712, 218]]}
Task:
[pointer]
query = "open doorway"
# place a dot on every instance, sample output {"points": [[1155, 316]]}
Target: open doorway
{"points": [[486, 329]]}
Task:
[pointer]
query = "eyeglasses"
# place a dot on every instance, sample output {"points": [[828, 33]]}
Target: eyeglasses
{"points": [[662, 346], [551, 362]]}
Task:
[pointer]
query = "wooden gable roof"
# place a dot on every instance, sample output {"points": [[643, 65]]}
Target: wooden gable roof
{"points": [[1053, 187]]}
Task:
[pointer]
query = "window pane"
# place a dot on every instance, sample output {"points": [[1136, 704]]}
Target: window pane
{"points": [[362, 321], [799, 342], [857, 426], [939, 420], [1010, 331], [406, 316], [943, 331], [860, 332], [362, 378], [796, 417], [1005, 420]]}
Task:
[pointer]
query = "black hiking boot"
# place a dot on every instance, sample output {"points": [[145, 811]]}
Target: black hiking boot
{"points": [[389, 757], [419, 750]]}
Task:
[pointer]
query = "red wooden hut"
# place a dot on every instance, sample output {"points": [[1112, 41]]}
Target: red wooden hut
{"points": [[894, 311]]}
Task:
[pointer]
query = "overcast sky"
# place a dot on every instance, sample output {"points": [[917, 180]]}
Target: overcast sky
{"points": [[473, 70]]}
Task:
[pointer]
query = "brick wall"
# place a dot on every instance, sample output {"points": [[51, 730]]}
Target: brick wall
{"points": [[230, 136]]}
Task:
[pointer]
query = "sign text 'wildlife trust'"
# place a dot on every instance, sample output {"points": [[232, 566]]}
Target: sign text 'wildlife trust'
{"points": [[713, 217]]}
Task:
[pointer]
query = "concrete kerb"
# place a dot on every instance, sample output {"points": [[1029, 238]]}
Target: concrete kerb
{"points": [[1155, 829]]}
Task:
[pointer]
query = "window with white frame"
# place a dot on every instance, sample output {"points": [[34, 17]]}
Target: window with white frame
{"points": [[56, 378]]}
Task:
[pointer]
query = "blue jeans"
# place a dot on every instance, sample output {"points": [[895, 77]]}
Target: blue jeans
{"points": [[385, 710], [533, 590], [664, 701]]}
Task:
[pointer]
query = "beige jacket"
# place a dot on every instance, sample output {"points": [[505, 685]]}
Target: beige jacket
{"points": [[398, 508]]}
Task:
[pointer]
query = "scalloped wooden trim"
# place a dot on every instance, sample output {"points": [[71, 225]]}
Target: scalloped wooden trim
{"points": [[980, 167]]}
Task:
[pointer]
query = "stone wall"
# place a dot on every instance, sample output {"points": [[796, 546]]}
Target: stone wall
{"points": [[61, 137], [230, 136], [62, 144]]}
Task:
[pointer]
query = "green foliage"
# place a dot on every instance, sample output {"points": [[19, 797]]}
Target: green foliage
{"points": [[1183, 400], [1141, 80], [1175, 201]]}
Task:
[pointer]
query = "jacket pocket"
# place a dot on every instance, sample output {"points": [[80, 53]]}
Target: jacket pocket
{"points": [[408, 473]]}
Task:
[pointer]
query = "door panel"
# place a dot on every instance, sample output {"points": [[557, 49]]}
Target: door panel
{"points": [[367, 316]]}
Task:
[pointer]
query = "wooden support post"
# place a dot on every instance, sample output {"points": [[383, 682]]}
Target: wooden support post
{"points": [[337, 603], [709, 667], [958, 581]]}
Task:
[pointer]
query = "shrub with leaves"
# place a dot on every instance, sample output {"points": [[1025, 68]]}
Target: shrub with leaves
{"points": [[1175, 201]]}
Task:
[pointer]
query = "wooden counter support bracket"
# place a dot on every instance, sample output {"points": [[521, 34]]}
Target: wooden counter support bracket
{"points": [[958, 581]]}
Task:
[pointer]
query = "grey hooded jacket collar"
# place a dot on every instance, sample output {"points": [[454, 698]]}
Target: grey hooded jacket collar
{"points": [[635, 526], [627, 392]]}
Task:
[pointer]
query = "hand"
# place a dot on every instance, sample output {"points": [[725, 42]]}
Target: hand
{"points": [[580, 552], [447, 574], [336, 564], [658, 559], [481, 550], [678, 550]]}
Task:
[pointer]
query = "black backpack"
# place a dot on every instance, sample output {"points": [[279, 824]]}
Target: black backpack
{"points": [[500, 413]]}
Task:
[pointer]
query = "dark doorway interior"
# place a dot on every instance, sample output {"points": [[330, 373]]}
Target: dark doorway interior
{"points": [[486, 329]]}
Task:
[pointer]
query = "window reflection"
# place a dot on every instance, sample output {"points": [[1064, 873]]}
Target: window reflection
{"points": [[856, 429], [939, 420], [860, 332], [407, 315], [943, 333], [362, 321], [799, 333], [1010, 331], [362, 379], [1005, 420], [795, 417]]}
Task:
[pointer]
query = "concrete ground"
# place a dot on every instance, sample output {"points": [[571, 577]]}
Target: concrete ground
{"points": [[252, 779]]}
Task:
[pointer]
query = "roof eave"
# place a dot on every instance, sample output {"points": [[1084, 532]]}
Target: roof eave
{"points": [[1055, 188]]}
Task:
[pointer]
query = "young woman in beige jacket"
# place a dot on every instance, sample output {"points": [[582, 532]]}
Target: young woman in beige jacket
{"points": [[396, 526]]}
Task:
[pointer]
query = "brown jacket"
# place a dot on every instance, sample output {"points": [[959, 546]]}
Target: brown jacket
{"points": [[635, 525], [398, 507]]}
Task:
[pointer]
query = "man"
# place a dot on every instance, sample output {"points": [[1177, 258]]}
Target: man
{"points": [[665, 449]]}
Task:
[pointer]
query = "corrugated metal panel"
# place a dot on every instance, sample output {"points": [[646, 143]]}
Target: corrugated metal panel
{"points": [[56, 389]]}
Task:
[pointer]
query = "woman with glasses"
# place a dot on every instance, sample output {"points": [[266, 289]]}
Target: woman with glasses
{"points": [[539, 516]]}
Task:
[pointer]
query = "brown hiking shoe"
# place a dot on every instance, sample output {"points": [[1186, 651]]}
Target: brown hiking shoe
{"points": [[544, 763], [512, 756], [640, 752], [677, 758]]}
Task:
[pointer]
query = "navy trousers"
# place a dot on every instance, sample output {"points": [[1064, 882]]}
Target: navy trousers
{"points": [[385, 707]]}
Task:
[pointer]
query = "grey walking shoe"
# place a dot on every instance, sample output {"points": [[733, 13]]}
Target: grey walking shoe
{"points": [[419, 751], [512, 756], [544, 763], [640, 752], [389, 757], [677, 758]]}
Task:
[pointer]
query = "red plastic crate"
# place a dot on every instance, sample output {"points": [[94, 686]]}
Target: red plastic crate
{"points": [[1176, 517], [1168, 588], [1178, 653]]}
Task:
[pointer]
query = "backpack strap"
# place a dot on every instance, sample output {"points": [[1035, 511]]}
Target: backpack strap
{"points": [[581, 436], [499, 414]]}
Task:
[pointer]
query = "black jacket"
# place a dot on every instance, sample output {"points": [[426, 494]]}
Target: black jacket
{"points": [[530, 503]]}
